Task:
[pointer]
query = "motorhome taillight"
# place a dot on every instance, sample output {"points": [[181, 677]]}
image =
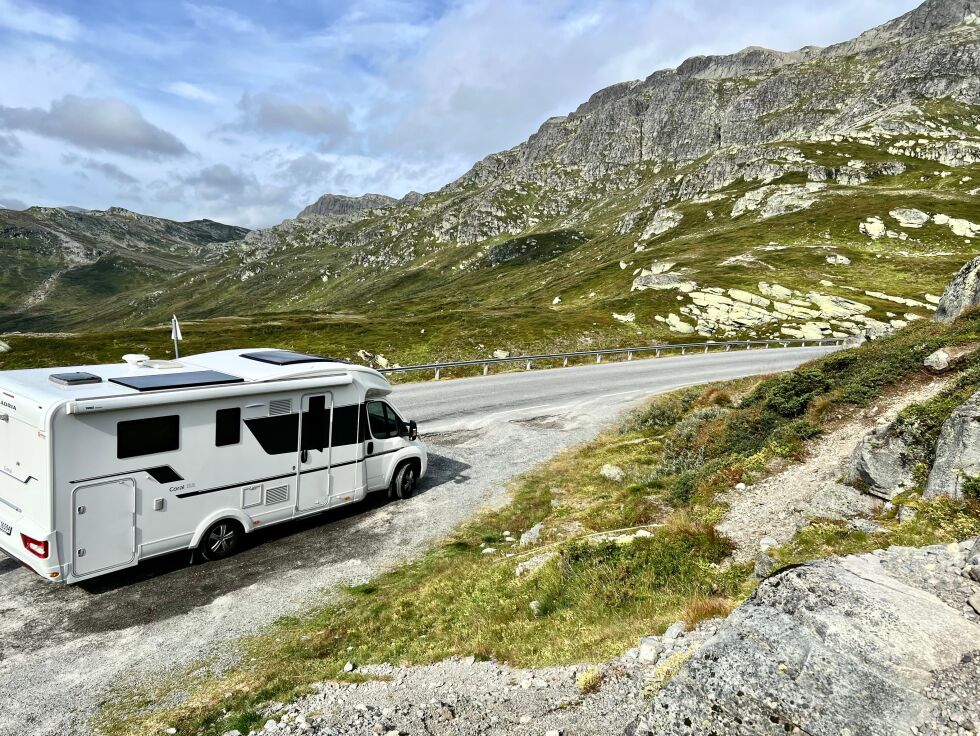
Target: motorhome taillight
{"points": [[35, 546]]}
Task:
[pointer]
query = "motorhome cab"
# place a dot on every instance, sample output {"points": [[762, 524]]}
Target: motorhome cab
{"points": [[104, 466]]}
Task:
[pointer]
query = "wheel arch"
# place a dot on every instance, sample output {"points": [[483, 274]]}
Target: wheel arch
{"points": [[409, 455], [235, 515]]}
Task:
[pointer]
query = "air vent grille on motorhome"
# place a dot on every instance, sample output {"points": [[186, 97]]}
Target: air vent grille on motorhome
{"points": [[277, 494], [73, 379], [278, 407]]}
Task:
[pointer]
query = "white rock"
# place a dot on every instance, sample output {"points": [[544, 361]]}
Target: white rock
{"points": [[613, 473], [663, 220], [349, 667], [501, 354], [748, 297], [676, 324], [556, 300], [650, 649], [489, 551], [838, 260], [775, 290], [4, 347], [873, 227], [674, 631], [628, 317], [767, 543], [909, 217]]}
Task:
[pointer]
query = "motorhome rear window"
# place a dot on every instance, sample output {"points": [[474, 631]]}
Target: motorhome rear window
{"points": [[140, 437], [166, 381], [287, 357]]}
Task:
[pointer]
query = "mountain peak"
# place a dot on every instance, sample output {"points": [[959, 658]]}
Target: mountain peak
{"points": [[331, 205]]}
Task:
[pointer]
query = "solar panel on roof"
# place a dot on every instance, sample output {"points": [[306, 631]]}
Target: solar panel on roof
{"points": [[195, 379], [79, 378], [287, 357]]}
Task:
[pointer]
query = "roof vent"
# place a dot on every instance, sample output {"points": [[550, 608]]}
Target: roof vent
{"points": [[162, 365], [73, 379], [134, 359]]}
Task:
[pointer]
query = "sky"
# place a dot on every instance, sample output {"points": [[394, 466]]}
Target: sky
{"points": [[246, 112]]}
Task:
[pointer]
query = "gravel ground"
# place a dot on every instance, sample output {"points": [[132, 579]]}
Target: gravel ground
{"points": [[458, 697], [63, 649]]}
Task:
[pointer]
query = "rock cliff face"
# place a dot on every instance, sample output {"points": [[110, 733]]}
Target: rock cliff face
{"points": [[957, 452], [962, 293], [871, 644], [330, 205]]}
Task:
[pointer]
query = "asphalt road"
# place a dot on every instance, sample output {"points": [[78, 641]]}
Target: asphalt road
{"points": [[63, 649]]}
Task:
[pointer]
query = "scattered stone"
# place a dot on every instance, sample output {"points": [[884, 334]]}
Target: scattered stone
{"points": [[349, 667], [531, 535], [4, 347], [973, 572], [867, 526], [532, 565], [910, 218], [535, 607], [838, 260], [663, 220], [764, 566], [941, 360], [675, 631], [767, 543], [613, 473], [873, 227], [974, 602], [650, 649], [556, 300], [488, 551], [625, 318]]}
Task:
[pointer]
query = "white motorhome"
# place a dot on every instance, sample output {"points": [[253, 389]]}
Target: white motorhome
{"points": [[104, 466]]}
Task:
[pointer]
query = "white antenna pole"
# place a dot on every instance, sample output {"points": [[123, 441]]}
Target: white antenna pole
{"points": [[175, 335]]}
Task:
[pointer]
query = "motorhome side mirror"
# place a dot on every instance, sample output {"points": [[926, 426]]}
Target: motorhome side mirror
{"points": [[413, 430]]}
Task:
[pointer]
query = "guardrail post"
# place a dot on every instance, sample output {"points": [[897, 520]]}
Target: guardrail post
{"points": [[656, 354], [598, 358], [683, 351], [528, 366], [565, 362], [629, 355], [728, 348], [803, 343], [706, 348], [486, 367], [438, 371], [748, 346]]}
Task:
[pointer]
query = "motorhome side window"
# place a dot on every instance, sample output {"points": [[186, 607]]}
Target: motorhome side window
{"points": [[278, 435], [227, 427], [384, 423], [140, 437]]}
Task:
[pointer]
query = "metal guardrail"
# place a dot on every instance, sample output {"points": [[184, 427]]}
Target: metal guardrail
{"points": [[629, 352]]}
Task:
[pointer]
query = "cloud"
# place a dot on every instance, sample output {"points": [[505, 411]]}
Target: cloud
{"points": [[214, 17], [271, 113], [25, 18], [307, 170], [107, 169], [9, 145], [11, 203], [95, 124], [190, 92]]}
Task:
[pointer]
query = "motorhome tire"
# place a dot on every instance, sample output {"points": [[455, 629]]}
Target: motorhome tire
{"points": [[403, 484], [221, 540]]}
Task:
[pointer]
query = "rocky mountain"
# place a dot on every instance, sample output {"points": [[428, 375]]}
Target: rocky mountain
{"points": [[808, 193], [337, 204], [59, 259]]}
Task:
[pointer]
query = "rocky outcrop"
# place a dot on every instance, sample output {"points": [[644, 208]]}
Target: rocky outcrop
{"points": [[962, 293], [870, 644], [957, 452], [879, 464], [333, 205]]}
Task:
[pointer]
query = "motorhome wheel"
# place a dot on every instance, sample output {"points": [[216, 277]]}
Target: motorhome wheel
{"points": [[404, 482], [221, 540]]}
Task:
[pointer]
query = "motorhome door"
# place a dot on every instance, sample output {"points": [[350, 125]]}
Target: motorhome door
{"points": [[103, 526], [315, 441], [384, 437]]}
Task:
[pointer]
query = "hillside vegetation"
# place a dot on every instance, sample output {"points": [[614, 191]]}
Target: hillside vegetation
{"points": [[818, 192]]}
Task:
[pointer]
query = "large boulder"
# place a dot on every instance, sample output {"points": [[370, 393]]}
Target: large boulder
{"points": [[875, 644], [879, 464], [957, 451], [962, 293]]}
